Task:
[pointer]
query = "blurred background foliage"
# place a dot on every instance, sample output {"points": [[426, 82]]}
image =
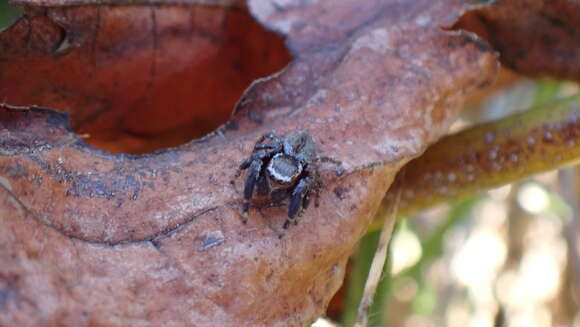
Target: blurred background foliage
{"points": [[509, 257]]}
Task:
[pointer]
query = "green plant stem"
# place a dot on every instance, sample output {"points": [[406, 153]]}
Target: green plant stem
{"points": [[379, 306], [361, 263]]}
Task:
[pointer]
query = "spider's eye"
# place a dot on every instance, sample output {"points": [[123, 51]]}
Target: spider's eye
{"points": [[284, 169]]}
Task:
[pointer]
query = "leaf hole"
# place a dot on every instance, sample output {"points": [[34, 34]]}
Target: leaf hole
{"points": [[233, 50], [136, 79]]}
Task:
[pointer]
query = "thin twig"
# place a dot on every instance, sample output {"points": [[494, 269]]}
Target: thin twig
{"points": [[378, 260]]}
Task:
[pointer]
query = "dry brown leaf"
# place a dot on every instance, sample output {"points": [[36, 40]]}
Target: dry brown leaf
{"points": [[137, 77], [94, 239], [535, 37]]}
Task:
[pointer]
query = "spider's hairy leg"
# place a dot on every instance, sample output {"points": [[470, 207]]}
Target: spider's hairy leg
{"points": [[271, 147], [316, 186], [260, 155], [253, 176], [298, 195], [276, 141], [339, 170], [329, 160], [246, 163], [275, 147], [255, 163]]}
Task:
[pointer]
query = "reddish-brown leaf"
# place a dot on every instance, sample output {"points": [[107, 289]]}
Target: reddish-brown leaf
{"points": [[137, 77], [535, 37], [90, 238]]}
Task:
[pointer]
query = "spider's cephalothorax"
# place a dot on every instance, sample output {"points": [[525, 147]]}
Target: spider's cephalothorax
{"points": [[283, 168]]}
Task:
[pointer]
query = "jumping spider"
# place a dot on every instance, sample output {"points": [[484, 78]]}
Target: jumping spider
{"points": [[284, 168]]}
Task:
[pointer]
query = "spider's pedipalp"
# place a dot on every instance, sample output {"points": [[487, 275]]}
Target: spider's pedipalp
{"points": [[264, 187], [280, 195]]}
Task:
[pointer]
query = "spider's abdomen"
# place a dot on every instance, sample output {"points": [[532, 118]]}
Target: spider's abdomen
{"points": [[284, 169]]}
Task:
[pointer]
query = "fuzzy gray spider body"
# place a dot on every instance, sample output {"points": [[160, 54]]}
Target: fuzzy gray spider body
{"points": [[283, 168]]}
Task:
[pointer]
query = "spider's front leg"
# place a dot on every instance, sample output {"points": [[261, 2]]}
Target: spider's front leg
{"points": [[329, 160], [312, 170], [254, 163], [253, 176], [297, 201], [275, 145]]}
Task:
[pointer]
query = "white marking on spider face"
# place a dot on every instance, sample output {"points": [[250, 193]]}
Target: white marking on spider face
{"points": [[280, 177]]}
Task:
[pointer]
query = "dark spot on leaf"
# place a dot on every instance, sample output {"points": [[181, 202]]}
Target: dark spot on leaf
{"points": [[341, 192]]}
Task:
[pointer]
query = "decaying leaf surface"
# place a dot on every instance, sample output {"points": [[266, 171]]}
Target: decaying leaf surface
{"points": [[90, 238]]}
